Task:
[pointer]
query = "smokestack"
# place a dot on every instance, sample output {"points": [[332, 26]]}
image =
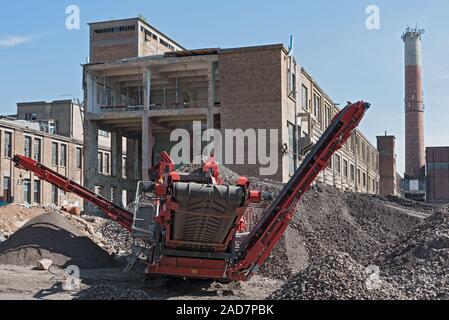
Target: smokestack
{"points": [[414, 106]]}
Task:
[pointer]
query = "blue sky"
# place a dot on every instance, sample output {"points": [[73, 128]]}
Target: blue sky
{"points": [[40, 59]]}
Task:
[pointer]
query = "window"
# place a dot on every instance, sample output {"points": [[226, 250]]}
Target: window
{"points": [[328, 115], [54, 194], [8, 145], [124, 167], [317, 107], [337, 160], [364, 179], [79, 158], [305, 97], [37, 191], [63, 159], [352, 172], [7, 189], [345, 168], [37, 150], [27, 147], [353, 141], [291, 146], [291, 81], [438, 166], [103, 133], [363, 151], [27, 190], [115, 29], [100, 162], [107, 163], [30, 116], [54, 153]]}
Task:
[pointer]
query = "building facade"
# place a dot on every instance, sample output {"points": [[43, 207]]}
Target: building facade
{"points": [[437, 167], [144, 98], [52, 134]]}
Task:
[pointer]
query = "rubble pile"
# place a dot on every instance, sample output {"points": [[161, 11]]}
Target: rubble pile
{"points": [[337, 277], [330, 220], [14, 216], [418, 262]]}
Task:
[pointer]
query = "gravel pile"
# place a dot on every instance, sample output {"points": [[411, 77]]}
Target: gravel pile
{"points": [[51, 236], [329, 220], [418, 263], [110, 292], [337, 277]]}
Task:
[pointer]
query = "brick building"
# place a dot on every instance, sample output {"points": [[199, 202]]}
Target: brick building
{"points": [[437, 167], [50, 133], [145, 97]]}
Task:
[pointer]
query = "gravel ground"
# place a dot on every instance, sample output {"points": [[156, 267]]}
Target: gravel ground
{"points": [[418, 262], [336, 277]]}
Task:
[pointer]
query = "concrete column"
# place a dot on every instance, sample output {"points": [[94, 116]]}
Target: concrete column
{"points": [[117, 94], [91, 99], [147, 130], [117, 165], [117, 154], [90, 159], [211, 94]]}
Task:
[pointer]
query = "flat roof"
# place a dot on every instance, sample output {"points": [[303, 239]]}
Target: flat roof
{"points": [[141, 20]]}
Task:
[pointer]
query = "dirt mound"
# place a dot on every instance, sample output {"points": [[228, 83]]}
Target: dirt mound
{"points": [[418, 262], [51, 236], [336, 277], [14, 216]]}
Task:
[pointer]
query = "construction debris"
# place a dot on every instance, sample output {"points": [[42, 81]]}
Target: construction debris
{"points": [[14, 216], [44, 264]]}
